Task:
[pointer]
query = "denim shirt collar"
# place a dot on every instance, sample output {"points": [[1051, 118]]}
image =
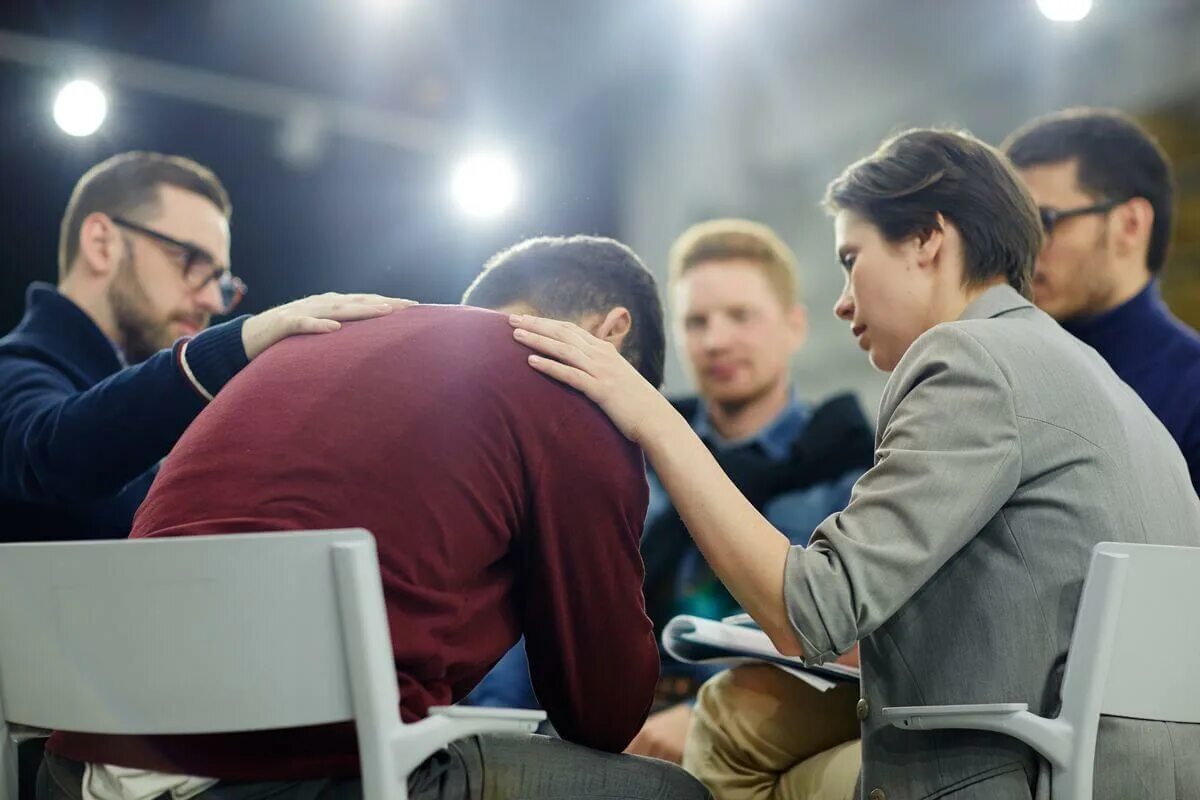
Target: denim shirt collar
{"points": [[775, 438]]}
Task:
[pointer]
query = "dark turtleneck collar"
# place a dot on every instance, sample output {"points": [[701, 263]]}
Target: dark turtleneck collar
{"points": [[56, 327], [1132, 333]]}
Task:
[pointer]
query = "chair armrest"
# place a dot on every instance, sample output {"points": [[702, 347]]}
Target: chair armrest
{"points": [[1050, 737], [932, 717], [415, 742], [23, 733], [486, 713]]}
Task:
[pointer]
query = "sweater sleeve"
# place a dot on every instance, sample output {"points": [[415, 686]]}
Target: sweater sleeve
{"points": [[58, 444], [592, 655]]}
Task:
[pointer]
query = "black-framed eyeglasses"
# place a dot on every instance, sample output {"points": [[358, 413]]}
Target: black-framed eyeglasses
{"points": [[200, 267], [1053, 216]]}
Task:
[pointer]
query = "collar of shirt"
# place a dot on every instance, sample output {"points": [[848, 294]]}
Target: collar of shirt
{"points": [[1130, 334], [54, 324], [775, 438]]}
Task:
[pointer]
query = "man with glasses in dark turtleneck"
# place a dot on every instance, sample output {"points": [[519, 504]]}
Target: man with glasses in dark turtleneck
{"points": [[1104, 188]]}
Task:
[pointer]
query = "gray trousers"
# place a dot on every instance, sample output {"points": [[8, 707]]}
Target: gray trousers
{"points": [[487, 767]]}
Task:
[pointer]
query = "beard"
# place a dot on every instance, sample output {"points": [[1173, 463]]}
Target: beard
{"points": [[142, 331], [1081, 290], [732, 403]]}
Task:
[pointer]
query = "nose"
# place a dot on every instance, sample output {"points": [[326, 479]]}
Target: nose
{"points": [[844, 307], [209, 299], [716, 333]]}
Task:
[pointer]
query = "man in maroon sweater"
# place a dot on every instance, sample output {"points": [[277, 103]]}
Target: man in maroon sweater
{"points": [[502, 504]]}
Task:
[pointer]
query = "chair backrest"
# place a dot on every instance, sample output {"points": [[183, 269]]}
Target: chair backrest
{"points": [[1156, 653], [192, 634]]}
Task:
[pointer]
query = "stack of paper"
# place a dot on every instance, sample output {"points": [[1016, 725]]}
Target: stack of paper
{"points": [[736, 640]]}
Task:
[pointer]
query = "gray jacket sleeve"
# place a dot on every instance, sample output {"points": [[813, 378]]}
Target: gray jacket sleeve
{"points": [[947, 460]]}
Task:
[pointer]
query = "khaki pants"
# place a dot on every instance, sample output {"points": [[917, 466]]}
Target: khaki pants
{"points": [[758, 734]]}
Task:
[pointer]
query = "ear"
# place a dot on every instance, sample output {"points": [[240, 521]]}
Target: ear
{"points": [[100, 246], [615, 326], [929, 243], [1133, 221], [797, 323]]}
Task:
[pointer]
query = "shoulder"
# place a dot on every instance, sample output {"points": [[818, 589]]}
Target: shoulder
{"points": [[950, 366], [1012, 345], [1183, 352], [1187, 393], [20, 357], [967, 346]]}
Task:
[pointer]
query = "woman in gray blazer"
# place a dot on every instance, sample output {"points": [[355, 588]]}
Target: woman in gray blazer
{"points": [[1005, 450]]}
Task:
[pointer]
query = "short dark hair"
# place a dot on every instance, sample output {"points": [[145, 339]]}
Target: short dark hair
{"points": [[920, 173], [1116, 159], [127, 185], [568, 277]]}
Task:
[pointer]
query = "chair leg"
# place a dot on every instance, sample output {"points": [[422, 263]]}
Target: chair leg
{"points": [[8, 764]]}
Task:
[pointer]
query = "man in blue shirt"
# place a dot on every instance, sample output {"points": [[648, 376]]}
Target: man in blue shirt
{"points": [[733, 298], [1104, 188]]}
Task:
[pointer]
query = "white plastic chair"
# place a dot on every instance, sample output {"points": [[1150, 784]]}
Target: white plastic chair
{"points": [[213, 634], [1133, 595]]}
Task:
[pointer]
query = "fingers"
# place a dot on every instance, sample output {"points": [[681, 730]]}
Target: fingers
{"points": [[301, 325], [315, 325], [348, 312], [374, 299], [571, 376], [346, 307], [566, 353], [554, 329]]}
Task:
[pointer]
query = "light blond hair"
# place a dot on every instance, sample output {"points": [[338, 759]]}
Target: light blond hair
{"points": [[737, 240]]}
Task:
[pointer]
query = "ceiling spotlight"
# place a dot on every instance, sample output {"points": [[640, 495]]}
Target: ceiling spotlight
{"points": [[80, 108], [1065, 10], [716, 12], [485, 185]]}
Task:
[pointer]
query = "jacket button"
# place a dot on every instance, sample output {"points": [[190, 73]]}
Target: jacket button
{"points": [[861, 711], [877, 794]]}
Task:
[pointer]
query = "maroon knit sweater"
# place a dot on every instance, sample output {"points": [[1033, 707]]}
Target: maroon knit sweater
{"points": [[501, 502]]}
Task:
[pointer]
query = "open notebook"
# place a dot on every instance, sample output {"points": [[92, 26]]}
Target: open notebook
{"points": [[738, 640]]}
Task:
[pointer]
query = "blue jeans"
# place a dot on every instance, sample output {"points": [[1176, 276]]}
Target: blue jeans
{"points": [[487, 767]]}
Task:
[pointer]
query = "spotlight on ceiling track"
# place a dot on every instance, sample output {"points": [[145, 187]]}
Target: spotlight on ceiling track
{"points": [[80, 108], [1065, 10], [485, 185]]}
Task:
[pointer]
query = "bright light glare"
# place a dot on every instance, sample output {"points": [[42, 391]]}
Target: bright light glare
{"points": [[485, 185], [80, 108], [1065, 10], [715, 11]]}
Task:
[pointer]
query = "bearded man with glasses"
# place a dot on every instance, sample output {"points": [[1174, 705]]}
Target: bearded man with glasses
{"points": [[106, 370], [1104, 189]]}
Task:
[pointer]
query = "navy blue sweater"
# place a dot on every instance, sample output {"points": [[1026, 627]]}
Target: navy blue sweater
{"points": [[81, 436], [1159, 357]]}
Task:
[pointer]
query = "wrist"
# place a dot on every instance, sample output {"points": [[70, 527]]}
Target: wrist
{"points": [[214, 356], [659, 425], [250, 336]]}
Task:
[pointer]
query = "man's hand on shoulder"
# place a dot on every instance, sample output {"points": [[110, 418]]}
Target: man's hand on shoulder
{"points": [[663, 734], [319, 313]]}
